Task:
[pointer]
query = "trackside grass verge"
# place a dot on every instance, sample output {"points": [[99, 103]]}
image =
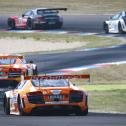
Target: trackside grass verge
{"points": [[74, 6], [107, 89], [112, 100], [85, 41]]}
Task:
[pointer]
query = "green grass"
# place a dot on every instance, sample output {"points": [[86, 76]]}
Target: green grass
{"points": [[107, 98], [74, 6], [107, 89], [104, 87], [114, 74], [87, 41], [108, 101]]}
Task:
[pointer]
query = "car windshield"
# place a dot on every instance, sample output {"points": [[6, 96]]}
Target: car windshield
{"points": [[116, 17], [7, 61], [50, 83], [44, 12]]}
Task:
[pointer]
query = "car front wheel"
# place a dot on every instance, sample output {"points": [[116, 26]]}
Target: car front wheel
{"points": [[20, 106], [120, 28], [106, 29], [30, 24], [11, 24], [79, 112]]}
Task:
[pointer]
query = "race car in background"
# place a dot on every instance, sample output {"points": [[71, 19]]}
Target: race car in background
{"points": [[116, 23], [46, 93], [15, 66], [37, 18]]}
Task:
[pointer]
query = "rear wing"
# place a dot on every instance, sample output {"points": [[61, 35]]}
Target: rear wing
{"points": [[4, 80], [57, 77], [48, 77], [62, 9], [10, 56]]}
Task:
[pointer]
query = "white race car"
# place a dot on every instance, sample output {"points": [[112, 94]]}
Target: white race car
{"points": [[116, 23]]}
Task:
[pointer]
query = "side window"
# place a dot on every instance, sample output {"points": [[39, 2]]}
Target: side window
{"points": [[116, 17], [28, 13], [32, 13]]}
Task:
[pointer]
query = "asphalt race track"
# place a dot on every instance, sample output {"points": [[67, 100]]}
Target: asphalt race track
{"points": [[93, 119], [51, 62], [85, 23]]}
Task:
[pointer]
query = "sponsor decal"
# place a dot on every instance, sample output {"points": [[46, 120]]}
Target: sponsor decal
{"points": [[55, 91], [57, 102], [56, 77]]}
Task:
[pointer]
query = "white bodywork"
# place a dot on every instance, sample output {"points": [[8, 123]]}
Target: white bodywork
{"points": [[113, 22]]}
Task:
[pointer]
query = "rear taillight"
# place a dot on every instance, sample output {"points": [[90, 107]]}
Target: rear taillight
{"points": [[34, 93], [76, 96], [14, 70], [35, 97]]}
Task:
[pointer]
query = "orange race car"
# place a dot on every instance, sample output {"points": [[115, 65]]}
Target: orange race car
{"points": [[15, 65], [46, 94]]}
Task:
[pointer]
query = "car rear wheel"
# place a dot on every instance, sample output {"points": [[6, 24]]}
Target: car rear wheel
{"points": [[105, 27], [59, 25], [20, 106], [30, 25], [120, 28], [79, 112], [11, 24], [6, 105]]}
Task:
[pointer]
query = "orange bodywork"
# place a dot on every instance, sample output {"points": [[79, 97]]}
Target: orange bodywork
{"points": [[46, 98], [11, 64]]}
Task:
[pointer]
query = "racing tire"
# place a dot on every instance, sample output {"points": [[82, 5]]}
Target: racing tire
{"points": [[120, 28], [81, 113], [30, 25], [106, 28], [59, 26], [20, 106], [6, 105], [11, 24]]}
